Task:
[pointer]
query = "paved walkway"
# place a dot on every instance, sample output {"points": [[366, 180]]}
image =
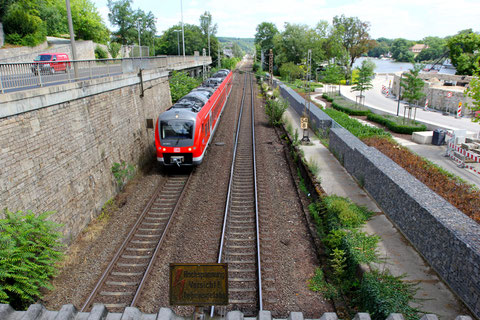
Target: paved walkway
{"points": [[433, 153], [401, 257]]}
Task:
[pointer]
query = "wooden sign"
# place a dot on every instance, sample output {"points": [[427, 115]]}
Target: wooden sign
{"points": [[199, 284]]}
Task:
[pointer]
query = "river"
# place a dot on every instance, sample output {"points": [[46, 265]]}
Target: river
{"points": [[390, 66]]}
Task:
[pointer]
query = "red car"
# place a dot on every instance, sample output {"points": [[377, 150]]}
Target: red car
{"points": [[50, 63]]}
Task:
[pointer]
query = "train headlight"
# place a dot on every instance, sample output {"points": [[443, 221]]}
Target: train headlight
{"points": [[164, 149], [189, 149]]}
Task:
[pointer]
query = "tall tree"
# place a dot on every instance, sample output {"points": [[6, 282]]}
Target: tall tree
{"points": [[400, 50], [473, 92], [465, 52], [354, 36], [365, 76], [121, 15], [413, 85], [266, 31]]}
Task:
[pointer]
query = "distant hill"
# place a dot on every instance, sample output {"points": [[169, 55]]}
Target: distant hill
{"points": [[247, 44]]}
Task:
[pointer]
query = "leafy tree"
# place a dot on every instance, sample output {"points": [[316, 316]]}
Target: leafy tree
{"points": [[290, 71], [291, 45], [100, 53], [365, 75], [354, 36], [208, 28], [333, 74], [181, 84], [436, 49], [400, 50], [413, 85], [22, 25], [237, 51], [465, 52], [266, 31], [114, 49], [87, 22], [30, 247], [121, 15], [473, 91], [381, 47]]}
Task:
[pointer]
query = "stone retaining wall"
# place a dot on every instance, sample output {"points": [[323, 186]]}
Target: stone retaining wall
{"points": [[447, 239], [58, 157]]}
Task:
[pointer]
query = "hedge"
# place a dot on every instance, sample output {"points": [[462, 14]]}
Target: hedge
{"points": [[394, 126], [353, 112]]}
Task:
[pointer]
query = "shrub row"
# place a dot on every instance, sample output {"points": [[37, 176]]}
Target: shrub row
{"points": [[393, 125], [354, 126], [353, 112], [338, 222]]}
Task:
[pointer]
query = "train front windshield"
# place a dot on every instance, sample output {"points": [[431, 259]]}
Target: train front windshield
{"points": [[176, 130]]}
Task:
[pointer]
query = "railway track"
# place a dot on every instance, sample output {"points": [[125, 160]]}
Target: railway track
{"points": [[240, 235], [122, 281]]}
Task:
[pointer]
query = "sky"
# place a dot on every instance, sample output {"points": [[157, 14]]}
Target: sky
{"points": [[410, 19]]}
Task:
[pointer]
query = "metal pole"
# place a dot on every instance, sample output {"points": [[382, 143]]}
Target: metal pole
{"points": [[399, 91], [139, 44], [178, 41], [72, 37], [208, 32], [183, 31]]}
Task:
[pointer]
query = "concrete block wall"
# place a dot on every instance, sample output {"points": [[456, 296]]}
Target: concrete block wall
{"points": [[85, 51], [58, 157], [99, 312], [447, 239]]}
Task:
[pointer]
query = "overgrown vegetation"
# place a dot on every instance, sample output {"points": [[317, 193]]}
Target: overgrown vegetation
{"points": [[275, 108], [339, 223], [354, 126], [100, 53], [397, 124], [230, 63], [29, 249], [181, 84], [122, 172]]}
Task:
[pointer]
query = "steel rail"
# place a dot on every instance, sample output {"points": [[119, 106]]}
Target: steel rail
{"points": [[157, 248], [127, 240]]}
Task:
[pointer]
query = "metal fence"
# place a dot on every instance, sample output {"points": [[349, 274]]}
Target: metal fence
{"points": [[22, 76]]}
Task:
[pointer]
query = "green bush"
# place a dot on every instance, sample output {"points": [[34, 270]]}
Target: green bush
{"points": [[181, 84], [29, 249], [354, 126], [122, 173], [114, 49], [275, 109], [22, 27], [382, 294], [327, 97], [290, 71], [359, 248], [100, 53], [230, 63], [256, 66], [351, 111], [396, 123]]}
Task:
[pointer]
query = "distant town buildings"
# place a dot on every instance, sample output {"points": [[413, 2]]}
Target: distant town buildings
{"points": [[417, 48]]}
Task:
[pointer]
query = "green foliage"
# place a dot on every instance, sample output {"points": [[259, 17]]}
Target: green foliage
{"points": [[359, 248], [397, 124], [100, 53], [256, 66], [382, 294], [354, 126], [341, 213], [413, 85], [465, 52], [365, 75], [29, 249], [400, 50], [275, 109], [114, 49], [349, 107], [122, 173], [473, 91], [338, 263], [318, 284], [22, 26], [290, 71], [332, 74], [181, 84], [230, 63]]}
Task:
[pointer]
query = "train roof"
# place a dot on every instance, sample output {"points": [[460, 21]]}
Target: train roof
{"points": [[184, 114], [204, 90], [212, 82]]}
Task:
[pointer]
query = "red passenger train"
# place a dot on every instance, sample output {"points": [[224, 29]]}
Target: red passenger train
{"points": [[184, 131]]}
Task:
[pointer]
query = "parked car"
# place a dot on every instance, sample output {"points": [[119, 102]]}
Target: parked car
{"points": [[50, 63]]}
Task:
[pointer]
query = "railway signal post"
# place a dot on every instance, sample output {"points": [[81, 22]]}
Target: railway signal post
{"points": [[304, 126]]}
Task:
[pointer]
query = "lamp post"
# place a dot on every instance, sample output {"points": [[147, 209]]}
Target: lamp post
{"points": [[139, 44], [183, 31], [178, 39], [399, 91], [72, 37]]}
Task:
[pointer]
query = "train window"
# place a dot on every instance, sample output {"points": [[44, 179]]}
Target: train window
{"points": [[176, 129]]}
